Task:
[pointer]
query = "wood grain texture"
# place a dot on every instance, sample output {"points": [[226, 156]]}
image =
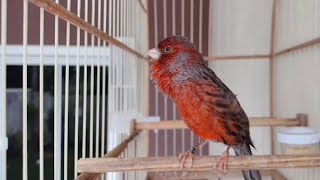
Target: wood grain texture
{"points": [[143, 7], [179, 124], [272, 71], [63, 13], [299, 46], [237, 57], [96, 165], [175, 175], [113, 153]]}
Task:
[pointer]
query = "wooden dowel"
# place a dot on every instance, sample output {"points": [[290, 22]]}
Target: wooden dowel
{"points": [[238, 57], [276, 175], [175, 175], [272, 71], [143, 7], [113, 153], [299, 46], [179, 124], [303, 119], [102, 165], [63, 13]]}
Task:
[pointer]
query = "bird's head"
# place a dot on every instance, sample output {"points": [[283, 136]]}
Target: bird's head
{"points": [[175, 54], [173, 50], [173, 58]]}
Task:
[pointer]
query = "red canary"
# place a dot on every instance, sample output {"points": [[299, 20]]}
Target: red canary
{"points": [[208, 107]]}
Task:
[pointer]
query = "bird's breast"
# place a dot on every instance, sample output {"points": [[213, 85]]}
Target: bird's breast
{"points": [[198, 117]]}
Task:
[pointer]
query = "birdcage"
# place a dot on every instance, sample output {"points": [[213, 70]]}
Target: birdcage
{"points": [[77, 101]]}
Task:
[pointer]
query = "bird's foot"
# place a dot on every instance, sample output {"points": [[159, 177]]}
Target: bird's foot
{"points": [[222, 164], [183, 157]]}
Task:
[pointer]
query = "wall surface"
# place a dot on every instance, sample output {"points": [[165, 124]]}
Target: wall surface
{"points": [[297, 86], [297, 73], [243, 28]]}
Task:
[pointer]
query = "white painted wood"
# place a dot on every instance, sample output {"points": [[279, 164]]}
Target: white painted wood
{"points": [[240, 27], [298, 22], [297, 86], [76, 115], [14, 55], [41, 98], [24, 92], [3, 96]]}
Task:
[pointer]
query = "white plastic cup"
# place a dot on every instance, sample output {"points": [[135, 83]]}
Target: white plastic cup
{"points": [[298, 140]]}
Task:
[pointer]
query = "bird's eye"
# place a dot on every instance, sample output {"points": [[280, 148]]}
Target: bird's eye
{"points": [[167, 49]]}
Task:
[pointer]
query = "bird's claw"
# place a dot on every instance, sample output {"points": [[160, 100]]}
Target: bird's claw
{"points": [[222, 164], [183, 157]]}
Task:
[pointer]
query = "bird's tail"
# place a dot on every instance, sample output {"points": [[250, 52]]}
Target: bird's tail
{"points": [[243, 150]]}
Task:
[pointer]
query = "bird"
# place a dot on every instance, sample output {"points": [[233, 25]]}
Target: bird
{"points": [[207, 106]]}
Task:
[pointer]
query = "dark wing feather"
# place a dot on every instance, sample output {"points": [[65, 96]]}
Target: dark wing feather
{"points": [[237, 122]]}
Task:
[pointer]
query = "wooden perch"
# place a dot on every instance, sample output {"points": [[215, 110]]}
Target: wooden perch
{"points": [[113, 153], [179, 124], [175, 175], [103, 165]]}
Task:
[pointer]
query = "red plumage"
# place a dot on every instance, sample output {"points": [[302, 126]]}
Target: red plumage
{"points": [[206, 104]]}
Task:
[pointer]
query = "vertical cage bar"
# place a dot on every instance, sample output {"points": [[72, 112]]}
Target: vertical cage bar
{"points": [[125, 69], [191, 38], [126, 89], [155, 15], [121, 73], [3, 91], [41, 73], [117, 68], [131, 43], [182, 33], [66, 99], [57, 127], [110, 78], [103, 116], [200, 46], [110, 90], [174, 110], [25, 92], [200, 25], [125, 64], [76, 116], [182, 18], [191, 20], [272, 71], [165, 97], [85, 86], [136, 41], [92, 81], [60, 122], [98, 86]]}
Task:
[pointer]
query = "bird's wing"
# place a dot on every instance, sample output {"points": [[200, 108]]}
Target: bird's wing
{"points": [[227, 107]]}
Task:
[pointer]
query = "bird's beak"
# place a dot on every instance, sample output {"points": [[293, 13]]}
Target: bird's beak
{"points": [[154, 53]]}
